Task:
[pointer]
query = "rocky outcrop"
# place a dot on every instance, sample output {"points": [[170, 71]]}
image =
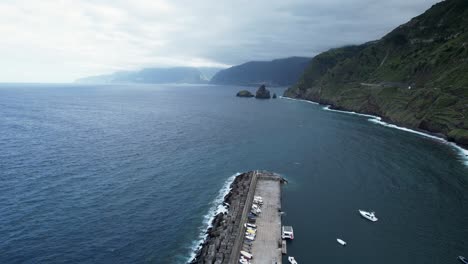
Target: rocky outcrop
{"points": [[262, 92], [244, 93], [274, 96], [415, 76], [221, 237]]}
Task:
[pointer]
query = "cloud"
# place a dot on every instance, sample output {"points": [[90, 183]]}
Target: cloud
{"points": [[61, 40]]}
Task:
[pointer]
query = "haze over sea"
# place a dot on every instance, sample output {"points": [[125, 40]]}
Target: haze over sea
{"points": [[129, 174]]}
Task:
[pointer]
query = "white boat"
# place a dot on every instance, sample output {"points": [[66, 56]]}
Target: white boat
{"points": [[246, 254], [368, 215], [255, 209], [287, 232], [292, 260], [341, 241], [250, 225], [250, 237], [243, 260]]}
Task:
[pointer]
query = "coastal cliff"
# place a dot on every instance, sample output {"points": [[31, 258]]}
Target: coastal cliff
{"points": [[415, 76], [276, 72]]}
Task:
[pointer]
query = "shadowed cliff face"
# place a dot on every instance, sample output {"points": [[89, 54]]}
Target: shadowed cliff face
{"points": [[414, 76], [277, 72]]}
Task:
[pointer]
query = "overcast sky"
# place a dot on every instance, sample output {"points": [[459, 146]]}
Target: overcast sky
{"points": [[61, 40]]}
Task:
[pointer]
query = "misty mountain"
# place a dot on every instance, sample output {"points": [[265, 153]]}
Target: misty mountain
{"points": [[276, 72], [156, 75]]}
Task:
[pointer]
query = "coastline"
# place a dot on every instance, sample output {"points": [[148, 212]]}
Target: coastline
{"points": [[462, 151], [217, 207], [225, 238], [223, 231]]}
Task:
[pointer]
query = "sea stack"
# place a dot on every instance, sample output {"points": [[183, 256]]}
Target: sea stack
{"points": [[244, 93], [274, 96], [262, 93]]}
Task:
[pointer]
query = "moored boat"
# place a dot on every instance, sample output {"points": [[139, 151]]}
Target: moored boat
{"points": [[250, 225], [250, 237], [243, 260], [246, 254], [287, 232]]}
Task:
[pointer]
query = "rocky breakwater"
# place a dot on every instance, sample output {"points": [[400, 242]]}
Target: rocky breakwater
{"points": [[225, 228]]}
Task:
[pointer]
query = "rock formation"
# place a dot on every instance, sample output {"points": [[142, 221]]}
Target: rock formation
{"points": [[262, 93], [244, 93]]}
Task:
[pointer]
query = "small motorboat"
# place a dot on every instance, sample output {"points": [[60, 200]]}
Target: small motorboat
{"points": [[463, 259], [292, 260], [243, 260], [368, 215], [251, 231], [341, 241], [287, 232], [250, 225], [246, 254], [251, 216], [250, 237], [250, 234]]}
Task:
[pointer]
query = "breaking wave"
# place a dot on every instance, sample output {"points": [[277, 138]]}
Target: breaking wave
{"points": [[463, 153], [216, 208]]}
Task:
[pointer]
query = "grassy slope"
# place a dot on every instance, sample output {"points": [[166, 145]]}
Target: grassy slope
{"points": [[429, 53]]}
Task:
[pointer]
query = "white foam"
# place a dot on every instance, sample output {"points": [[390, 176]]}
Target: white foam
{"points": [[301, 100], [216, 208], [327, 107], [463, 153]]}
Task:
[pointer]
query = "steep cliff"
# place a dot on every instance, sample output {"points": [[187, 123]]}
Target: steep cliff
{"points": [[415, 76]]}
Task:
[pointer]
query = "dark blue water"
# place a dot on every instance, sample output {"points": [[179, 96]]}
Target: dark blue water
{"points": [[127, 174]]}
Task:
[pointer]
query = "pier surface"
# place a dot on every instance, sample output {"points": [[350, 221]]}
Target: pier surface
{"points": [[267, 246], [225, 239]]}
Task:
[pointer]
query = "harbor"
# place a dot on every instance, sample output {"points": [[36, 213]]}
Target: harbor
{"points": [[266, 248], [250, 230]]}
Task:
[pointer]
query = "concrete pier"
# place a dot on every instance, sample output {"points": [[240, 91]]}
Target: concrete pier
{"points": [[225, 239], [267, 246]]}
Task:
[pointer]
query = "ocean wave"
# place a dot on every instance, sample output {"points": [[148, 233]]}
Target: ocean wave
{"points": [[216, 208], [463, 153], [302, 100]]}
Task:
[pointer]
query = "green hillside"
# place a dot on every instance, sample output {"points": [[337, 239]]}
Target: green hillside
{"points": [[415, 76]]}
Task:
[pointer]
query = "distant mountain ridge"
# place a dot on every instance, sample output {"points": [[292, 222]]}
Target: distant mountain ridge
{"points": [[415, 76], [276, 72], [156, 75]]}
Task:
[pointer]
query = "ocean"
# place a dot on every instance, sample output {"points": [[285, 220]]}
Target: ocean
{"points": [[133, 173]]}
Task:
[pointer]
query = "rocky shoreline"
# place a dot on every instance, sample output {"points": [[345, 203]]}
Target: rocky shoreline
{"points": [[224, 230], [374, 110]]}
